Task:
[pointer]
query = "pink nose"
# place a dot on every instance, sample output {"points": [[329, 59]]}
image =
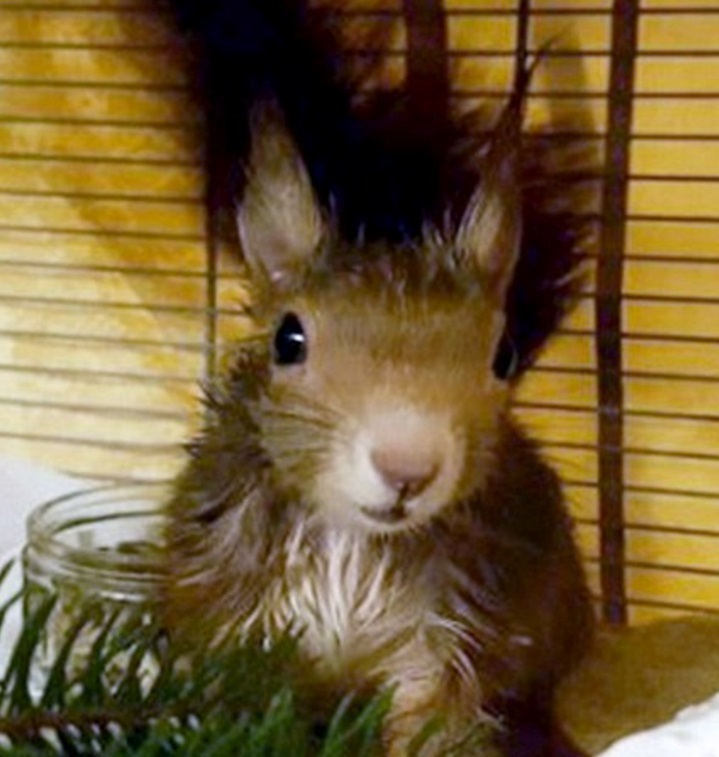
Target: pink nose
{"points": [[406, 472]]}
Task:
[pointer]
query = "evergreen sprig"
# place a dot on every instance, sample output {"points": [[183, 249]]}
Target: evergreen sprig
{"points": [[93, 679], [112, 686]]}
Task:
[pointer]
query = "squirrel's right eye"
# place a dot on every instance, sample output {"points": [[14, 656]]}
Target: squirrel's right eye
{"points": [[290, 345]]}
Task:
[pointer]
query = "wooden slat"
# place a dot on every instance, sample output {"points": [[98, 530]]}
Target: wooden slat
{"points": [[684, 239], [677, 319], [104, 104], [676, 358], [683, 474], [683, 158], [559, 389], [673, 279], [691, 76], [134, 144], [675, 32], [674, 433], [673, 587], [98, 178], [668, 395], [667, 510], [676, 116], [101, 26], [677, 199]]}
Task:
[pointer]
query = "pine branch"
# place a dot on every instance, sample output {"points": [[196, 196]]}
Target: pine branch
{"points": [[92, 679], [113, 686]]}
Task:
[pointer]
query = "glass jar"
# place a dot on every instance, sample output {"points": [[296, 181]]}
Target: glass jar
{"points": [[99, 548]]}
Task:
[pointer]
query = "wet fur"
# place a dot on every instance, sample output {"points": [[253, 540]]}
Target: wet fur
{"points": [[474, 605], [484, 605]]}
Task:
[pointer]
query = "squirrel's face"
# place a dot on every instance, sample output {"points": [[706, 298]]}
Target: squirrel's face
{"points": [[381, 411], [381, 406]]}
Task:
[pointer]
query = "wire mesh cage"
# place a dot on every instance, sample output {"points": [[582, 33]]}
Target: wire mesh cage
{"points": [[117, 290]]}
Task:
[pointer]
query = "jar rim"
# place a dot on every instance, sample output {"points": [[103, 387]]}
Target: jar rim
{"points": [[96, 515]]}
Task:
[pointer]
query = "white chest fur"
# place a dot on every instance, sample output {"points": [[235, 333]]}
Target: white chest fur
{"points": [[351, 604]]}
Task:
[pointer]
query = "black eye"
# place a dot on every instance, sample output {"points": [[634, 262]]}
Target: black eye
{"points": [[290, 346], [506, 361]]}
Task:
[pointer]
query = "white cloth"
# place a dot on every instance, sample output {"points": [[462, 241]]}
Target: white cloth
{"points": [[694, 732], [23, 486]]}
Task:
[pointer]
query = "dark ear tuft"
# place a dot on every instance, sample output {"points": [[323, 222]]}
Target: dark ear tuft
{"points": [[279, 220], [490, 231]]}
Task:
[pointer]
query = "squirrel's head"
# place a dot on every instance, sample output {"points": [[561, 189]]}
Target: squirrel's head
{"points": [[381, 407]]}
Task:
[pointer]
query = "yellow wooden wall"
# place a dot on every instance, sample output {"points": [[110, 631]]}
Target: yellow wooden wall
{"points": [[103, 260]]}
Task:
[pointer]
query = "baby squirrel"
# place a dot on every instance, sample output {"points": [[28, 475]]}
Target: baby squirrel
{"points": [[361, 478]]}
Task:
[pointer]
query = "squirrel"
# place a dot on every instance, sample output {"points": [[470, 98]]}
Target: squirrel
{"points": [[361, 476]]}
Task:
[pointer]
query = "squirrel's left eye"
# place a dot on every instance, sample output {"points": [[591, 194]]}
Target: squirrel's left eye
{"points": [[506, 361], [290, 345]]}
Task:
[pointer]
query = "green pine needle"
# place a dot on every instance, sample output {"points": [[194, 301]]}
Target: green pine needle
{"points": [[97, 680], [112, 686]]}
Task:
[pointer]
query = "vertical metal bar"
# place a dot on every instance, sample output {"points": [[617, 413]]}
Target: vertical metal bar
{"points": [[625, 21], [211, 304], [522, 36], [215, 197], [427, 62]]}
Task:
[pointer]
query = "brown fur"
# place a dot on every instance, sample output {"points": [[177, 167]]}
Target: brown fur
{"points": [[473, 602]]}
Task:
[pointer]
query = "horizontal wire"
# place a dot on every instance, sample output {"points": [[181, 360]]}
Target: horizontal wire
{"points": [[130, 197], [103, 232], [117, 411], [564, 12], [649, 136], [548, 444], [100, 159], [495, 93], [129, 121], [634, 601], [90, 46], [630, 374], [399, 53], [558, 53], [655, 567], [650, 336], [673, 178], [630, 413], [125, 270], [683, 570], [684, 607], [500, 93], [19, 300], [112, 444], [73, 7], [676, 530], [670, 494], [93, 84], [675, 492], [672, 298], [709, 495], [672, 258], [89, 340], [559, 178], [92, 374]]}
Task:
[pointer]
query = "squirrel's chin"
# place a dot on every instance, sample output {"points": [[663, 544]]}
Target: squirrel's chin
{"points": [[389, 520]]}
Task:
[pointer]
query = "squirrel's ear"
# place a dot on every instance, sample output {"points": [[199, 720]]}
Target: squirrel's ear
{"points": [[490, 232], [279, 221]]}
